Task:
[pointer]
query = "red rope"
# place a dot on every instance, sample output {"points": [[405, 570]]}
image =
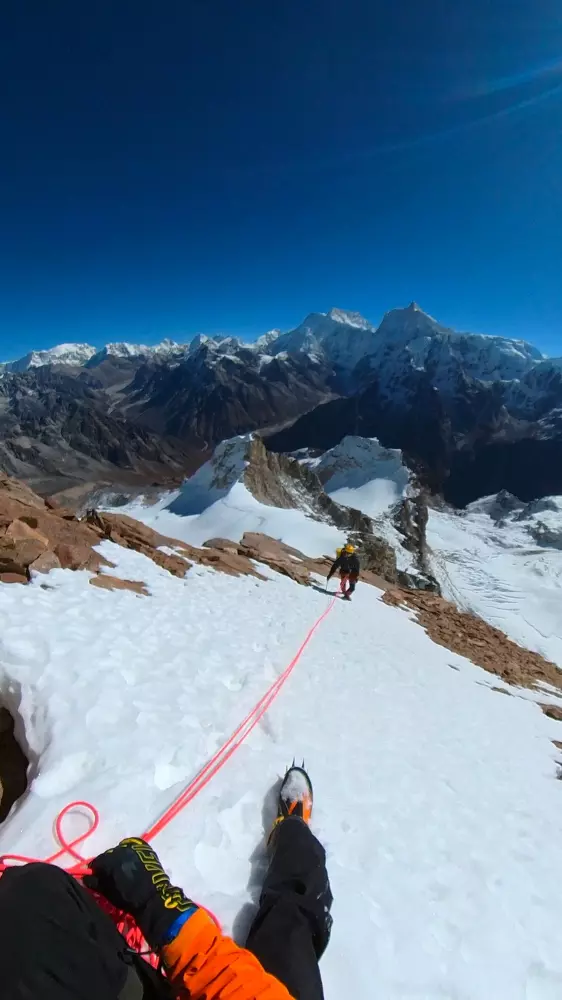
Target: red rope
{"points": [[239, 735], [81, 867]]}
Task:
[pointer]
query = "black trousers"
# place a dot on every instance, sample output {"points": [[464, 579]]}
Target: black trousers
{"points": [[293, 924], [57, 944]]}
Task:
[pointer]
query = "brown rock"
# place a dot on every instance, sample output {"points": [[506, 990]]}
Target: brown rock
{"points": [[105, 582], [174, 564], [132, 534], [12, 578], [65, 513], [221, 545], [126, 531], [20, 528], [32, 522], [17, 492], [79, 556], [17, 554], [45, 563], [553, 712], [231, 563]]}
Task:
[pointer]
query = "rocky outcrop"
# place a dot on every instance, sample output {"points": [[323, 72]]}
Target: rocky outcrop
{"points": [[553, 712], [410, 518], [132, 534], [280, 481], [284, 559], [378, 557], [474, 638], [546, 534], [107, 582], [35, 538]]}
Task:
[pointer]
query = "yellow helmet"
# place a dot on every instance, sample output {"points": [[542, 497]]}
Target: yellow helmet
{"points": [[350, 548]]}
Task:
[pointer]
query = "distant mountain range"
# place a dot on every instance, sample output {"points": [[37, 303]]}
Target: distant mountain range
{"points": [[473, 414]]}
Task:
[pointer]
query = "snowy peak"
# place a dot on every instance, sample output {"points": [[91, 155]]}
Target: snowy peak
{"points": [[200, 340], [214, 346], [263, 342], [359, 472], [63, 354], [352, 319], [338, 337], [408, 322], [406, 338], [82, 355], [411, 339], [125, 350]]}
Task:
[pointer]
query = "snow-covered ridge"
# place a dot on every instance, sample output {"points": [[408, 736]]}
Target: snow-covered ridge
{"points": [[84, 354], [405, 338], [62, 354], [166, 348]]}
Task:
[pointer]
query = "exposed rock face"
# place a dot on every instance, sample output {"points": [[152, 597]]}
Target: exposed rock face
{"points": [[107, 582], [36, 539], [544, 534], [45, 563], [213, 394], [477, 640], [378, 557], [410, 518], [553, 712], [50, 421], [283, 482]]}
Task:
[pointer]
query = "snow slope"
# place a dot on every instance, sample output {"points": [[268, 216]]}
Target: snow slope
{"points": [[495, 567], [435, 797], [234, 513], [360, 473]]}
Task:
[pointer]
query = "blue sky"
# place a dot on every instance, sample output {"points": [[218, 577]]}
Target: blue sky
{"points": [[231, 165]]}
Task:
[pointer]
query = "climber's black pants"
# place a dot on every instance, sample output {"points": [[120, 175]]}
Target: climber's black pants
{"points": [[292, 927], [56, 942]]}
